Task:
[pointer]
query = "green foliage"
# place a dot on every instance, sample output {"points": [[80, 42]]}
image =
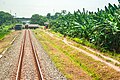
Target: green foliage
{"points": [[2, 34], [6, 18], [48, 15], [100, 28], [84, 42], [6, 22], [4, 30], [38, 19]]}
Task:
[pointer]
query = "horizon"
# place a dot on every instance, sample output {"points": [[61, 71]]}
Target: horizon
{"points": [[28, 8]]}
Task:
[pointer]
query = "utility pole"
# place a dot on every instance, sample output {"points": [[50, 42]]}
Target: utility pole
{"points": [[119, 2], [54, 11], [15, 15], [10, 12]]}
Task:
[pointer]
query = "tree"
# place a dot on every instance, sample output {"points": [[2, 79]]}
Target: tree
{"points": [[6, 18], [35, 19], [63, 12], [38, 19], [48, 15]]}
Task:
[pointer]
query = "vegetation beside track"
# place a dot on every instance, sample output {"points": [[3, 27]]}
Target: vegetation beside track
{"points": [[99, 30], [5, 42], [6, 23], [5, 31], [2, 34], [87, 48], [72, 62]]}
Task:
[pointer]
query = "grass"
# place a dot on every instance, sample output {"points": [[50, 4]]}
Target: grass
{"points": [[4, 42], [81, 42], [2, 34], [103, 51], [64, 63], [5, 30], [72, 62]]}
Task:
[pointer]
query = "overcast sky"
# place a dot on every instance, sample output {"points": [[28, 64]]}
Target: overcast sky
{"points": [[25, 8]]}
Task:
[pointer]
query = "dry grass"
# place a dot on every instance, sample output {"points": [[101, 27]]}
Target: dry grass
{"points": [[7, 39], [63, 62], [73, 63]]}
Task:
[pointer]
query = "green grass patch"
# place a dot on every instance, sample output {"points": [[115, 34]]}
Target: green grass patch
{"points": [[97, 70], [4, 30], [84, 42], [61, 64], [2, 34]]}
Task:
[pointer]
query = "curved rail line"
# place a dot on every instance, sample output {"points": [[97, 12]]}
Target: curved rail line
{"points": [[37, 63]]}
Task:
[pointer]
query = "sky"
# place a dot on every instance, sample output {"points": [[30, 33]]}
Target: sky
{"points": [[26, 8]]}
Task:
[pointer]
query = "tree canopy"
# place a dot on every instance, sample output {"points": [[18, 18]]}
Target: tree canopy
{"points": [[38, 19], [6, 18]]}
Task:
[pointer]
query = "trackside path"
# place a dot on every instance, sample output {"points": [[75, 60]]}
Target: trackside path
{"points": [[89, 54], [93, 56]]}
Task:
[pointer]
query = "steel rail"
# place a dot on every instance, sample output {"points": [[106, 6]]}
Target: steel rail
{"points": [[20, 58], [36, 58], [37, 62]]}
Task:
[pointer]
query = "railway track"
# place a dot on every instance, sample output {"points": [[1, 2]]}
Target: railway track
{"points": [[28, 64]]}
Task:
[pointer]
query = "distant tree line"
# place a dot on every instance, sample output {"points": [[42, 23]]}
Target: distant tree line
{"points": [[38, 19], [6, 18], [6, 23]]}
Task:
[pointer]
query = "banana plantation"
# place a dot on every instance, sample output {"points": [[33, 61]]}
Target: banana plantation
{"points": [[101, 28]]}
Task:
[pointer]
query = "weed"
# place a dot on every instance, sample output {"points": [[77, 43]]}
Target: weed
{"points": [[67, 59]]}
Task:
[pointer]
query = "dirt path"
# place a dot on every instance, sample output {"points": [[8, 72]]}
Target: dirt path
{"points": [[91, 55], [105, 57]]}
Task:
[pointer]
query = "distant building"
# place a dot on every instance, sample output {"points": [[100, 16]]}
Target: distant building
{"points": [[18, 27], [46, 25], [32, 26]]}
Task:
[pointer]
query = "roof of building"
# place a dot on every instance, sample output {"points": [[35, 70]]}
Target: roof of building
{"points": [[46, 22], [33, 25]]}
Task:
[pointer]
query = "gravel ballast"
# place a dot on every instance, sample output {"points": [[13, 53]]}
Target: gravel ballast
{"points": [[9, 60]]}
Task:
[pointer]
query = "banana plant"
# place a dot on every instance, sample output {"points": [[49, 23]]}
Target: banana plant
{"points": [[101, 28]]}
